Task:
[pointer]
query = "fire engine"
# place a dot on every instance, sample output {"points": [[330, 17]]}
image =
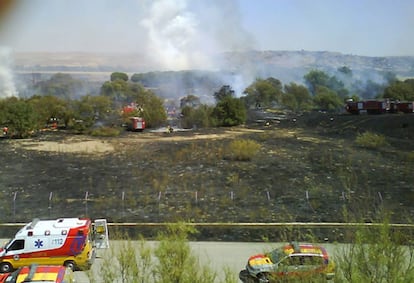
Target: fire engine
{"points": [[64, 241], [379, 106], [134, 123]]}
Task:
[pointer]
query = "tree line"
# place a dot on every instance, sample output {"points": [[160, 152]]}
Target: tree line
{"points": [[54, 100]]}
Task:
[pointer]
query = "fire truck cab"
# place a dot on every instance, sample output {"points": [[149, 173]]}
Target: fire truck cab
{"points": [[136, 124]]}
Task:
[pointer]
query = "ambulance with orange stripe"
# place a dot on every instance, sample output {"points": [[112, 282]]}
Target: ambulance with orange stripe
{"points": [[64, 241]]}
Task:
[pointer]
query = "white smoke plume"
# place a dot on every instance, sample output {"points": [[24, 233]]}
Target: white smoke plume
{"points": [[7, 87], [185, 34]]}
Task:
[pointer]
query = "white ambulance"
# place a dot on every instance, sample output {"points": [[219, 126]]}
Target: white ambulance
{"points": [[64, 241]]}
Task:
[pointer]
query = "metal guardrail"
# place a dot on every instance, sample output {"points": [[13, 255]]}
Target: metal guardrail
{"points": [[266, 225], [247, 225], [242, 232]]}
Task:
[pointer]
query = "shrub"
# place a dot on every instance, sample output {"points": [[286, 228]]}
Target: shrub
{"points": [[371, 140], [410, 156], [106, 132], [376, 255], [170, 261], [242, 150], [176, 263]]}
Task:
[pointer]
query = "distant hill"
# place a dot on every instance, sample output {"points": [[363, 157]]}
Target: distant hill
{"points": [[238, 69], [265, 62], [292, 65]]}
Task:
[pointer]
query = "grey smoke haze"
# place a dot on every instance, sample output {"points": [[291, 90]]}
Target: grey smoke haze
{"points": [[7, 87], [171, 34], [188, 35], [183, 34]]}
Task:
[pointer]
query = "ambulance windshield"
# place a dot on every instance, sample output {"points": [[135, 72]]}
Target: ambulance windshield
{"points": [[6, 244]]}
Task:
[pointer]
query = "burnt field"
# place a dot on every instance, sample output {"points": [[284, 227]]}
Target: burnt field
{"points": [[309, 169]]}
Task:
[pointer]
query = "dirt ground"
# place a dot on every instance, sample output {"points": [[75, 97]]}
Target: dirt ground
{"points": [[96, 146], [308, 168]]}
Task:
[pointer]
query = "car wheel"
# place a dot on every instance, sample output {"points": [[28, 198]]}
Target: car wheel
{"points": [[263, 278], [70, 264], [246, 278], [5, 267]]}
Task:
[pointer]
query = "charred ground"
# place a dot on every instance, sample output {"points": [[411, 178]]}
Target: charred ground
{"points": [[309, 169]]}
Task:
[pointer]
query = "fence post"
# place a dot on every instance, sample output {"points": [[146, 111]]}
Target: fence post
{"points": [[123, 203], [380, 196], [86, 203], [14, 206], [50, 204]]}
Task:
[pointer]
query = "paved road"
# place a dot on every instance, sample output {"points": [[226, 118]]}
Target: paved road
{"points": [[217, 255]]}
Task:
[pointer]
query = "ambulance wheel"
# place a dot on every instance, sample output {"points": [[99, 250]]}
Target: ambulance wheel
{"points": [[70, 264], [5, 267]]}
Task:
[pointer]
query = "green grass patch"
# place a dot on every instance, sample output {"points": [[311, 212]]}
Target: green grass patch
{"points": [[242, 150], [106, 132], [371, 140]]}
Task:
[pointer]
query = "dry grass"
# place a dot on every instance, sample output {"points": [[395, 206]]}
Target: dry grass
{"points": [[302, 172]]}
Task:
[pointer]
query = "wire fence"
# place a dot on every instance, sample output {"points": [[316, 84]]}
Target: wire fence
{"points": [[168, 205], [224, 216]]}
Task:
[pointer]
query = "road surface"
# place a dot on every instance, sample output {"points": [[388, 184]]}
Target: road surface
{"points": [[217, 255]]}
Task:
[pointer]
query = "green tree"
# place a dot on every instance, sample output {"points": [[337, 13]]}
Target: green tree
{"points": [[48, 107], [119, 76], [401, 90], [199, 117], [190, 100], [327, 99], [229, 111], [289, 101], [153, 110], [123, 92], [345, 70], [101, 106], [264, 92], [316, 78], [224, 92], [137, 78], [60, 85], [337, 86], [19, 116], [89, 110], [118, 90], [296, 97]]}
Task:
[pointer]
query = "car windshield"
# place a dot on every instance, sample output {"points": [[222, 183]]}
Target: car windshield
{"points": [[305, 260], [275, 255]]}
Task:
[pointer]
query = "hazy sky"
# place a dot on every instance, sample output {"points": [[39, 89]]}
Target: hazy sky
{"points": [[173, 27]]}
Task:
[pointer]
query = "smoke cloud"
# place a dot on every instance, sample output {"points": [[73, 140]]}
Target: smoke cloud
{"points": [[7, 87], [189, 35]]}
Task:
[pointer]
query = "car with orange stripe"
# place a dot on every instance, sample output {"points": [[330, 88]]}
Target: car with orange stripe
{"points": [[291, 262], [39, 273]]}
